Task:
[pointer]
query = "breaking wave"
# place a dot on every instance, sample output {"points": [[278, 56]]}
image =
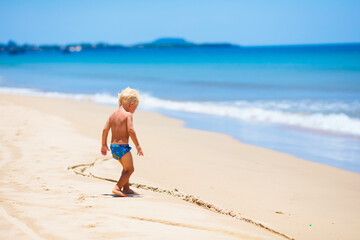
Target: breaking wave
{"points": [[338, 117]]}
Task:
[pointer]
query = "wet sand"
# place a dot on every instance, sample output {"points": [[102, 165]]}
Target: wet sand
{"points": [[194, 184]]}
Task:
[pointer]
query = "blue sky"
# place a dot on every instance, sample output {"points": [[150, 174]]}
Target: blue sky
{"points": [[252, 22]]}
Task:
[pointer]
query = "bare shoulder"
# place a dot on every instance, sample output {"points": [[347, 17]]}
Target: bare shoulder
{"points": [[119, 116], [112, 115], [129, 115]]}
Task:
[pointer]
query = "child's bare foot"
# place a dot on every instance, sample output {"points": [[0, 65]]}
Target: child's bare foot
{"points": [[116, 191], [129, 191]]}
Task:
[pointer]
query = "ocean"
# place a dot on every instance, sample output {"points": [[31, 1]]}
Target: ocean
{"points": [[301, 100]]}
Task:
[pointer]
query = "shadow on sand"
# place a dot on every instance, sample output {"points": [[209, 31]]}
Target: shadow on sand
{"points": [[117, 196]]}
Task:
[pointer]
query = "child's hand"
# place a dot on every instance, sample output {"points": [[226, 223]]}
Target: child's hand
{"points": [[139, 151], [104, 149]]}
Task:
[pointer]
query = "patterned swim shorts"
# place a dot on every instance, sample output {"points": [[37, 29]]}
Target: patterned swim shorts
{"points": [[119, 150]]}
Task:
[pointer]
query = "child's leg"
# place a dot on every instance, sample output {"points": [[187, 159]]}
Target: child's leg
{"points": [[126, 189], [128, 168]]}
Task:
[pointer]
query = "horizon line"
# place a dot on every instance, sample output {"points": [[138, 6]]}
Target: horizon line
{"points": [[143, 43]]}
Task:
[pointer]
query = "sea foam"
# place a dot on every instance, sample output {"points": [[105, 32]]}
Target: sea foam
{"points": [[312, 115], [280, 113]]}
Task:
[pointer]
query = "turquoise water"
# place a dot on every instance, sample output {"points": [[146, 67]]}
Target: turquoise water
{"points": [[302, 100]]}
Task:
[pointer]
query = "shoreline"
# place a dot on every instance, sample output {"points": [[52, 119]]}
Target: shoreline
{"points": [[324, 155], [269, 128], [275, 189]]}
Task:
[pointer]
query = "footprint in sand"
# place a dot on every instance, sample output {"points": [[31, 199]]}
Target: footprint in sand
{"points": [[91, 225]]}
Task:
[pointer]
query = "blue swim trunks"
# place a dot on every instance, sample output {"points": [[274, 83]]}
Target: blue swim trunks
{"points": [[119, 150]]}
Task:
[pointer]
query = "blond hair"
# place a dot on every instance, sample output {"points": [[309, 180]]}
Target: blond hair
{"points": [[128, 95]]}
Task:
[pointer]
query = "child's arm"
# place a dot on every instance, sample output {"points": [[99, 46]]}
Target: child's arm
{"points": [[104, 147], [132, 134]]}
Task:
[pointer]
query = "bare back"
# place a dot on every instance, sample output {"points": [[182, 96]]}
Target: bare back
{"points": [[119, 127]]}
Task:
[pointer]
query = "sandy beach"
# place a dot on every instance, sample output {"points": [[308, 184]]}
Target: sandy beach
{"points": [[55, 184]]}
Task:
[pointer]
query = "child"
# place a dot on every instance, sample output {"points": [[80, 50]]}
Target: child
{"points": [[121, 125]]}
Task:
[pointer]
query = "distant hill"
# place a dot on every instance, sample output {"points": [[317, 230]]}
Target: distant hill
{"points": [[171, 41], [180, 42], [165, 42]]}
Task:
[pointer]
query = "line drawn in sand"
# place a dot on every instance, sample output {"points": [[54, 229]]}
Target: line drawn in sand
{"points": [[84, 170]]}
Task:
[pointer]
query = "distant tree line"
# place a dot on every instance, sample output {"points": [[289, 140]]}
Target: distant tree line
{"points": [[13, 49]]}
